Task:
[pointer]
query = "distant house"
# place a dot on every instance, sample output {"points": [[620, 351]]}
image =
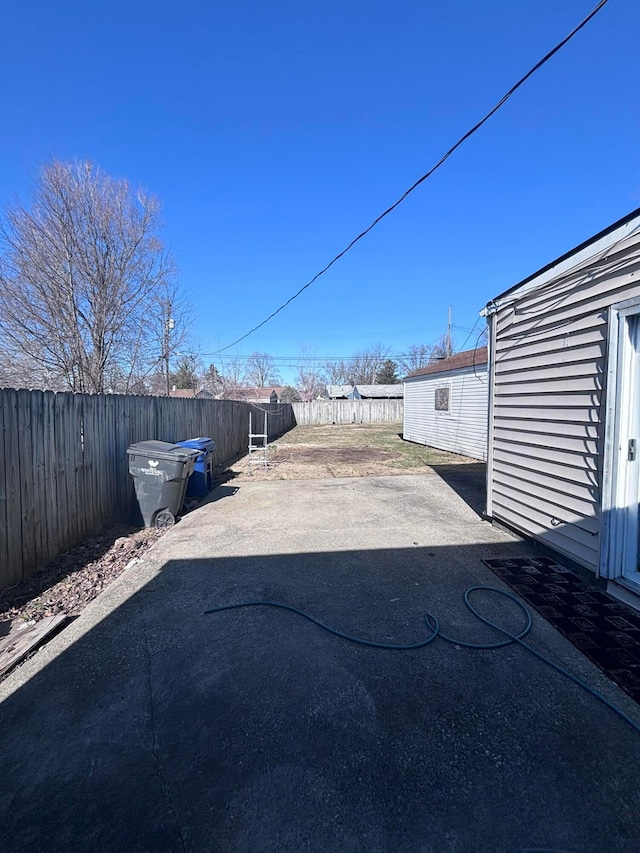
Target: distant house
{"points": [[378, 392], [446, 404], [340, 392], [564, 429], [191, 393], [259, 395], [365, 392]]}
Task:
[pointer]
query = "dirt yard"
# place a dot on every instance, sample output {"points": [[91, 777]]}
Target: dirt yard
{"points": [[358, 450]]}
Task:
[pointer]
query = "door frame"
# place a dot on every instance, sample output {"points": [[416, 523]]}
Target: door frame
{"points": [[619, 542]]}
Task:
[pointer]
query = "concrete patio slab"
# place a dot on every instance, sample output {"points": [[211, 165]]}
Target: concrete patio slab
{"points": [[150, 726]]}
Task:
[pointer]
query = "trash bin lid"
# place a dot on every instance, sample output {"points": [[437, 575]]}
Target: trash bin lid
{"points": [[200, 443], [153, 449]]}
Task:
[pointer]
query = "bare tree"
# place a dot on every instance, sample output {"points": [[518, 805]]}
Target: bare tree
{"points": [[261, 370], [445, 348], [367, 364], [232, 378], [82, 275], [168, 332], [337, 372], [416, 357], [363, 367], [311, 380], [17, 372]]}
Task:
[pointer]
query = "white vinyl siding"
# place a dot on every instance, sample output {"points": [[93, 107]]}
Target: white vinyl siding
{"points": [[462, 429], [548, 393]]}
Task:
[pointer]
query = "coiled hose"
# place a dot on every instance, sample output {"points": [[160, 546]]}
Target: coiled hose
{"points": [[434, 626]]}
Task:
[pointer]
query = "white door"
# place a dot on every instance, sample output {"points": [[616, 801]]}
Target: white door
{"points": [[621, 493], [630, 453]]}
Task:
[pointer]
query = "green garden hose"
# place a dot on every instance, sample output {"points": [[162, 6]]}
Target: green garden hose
{"points": [[434, 627]]}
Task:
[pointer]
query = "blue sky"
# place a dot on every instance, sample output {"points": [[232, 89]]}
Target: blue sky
{"points": [[274, 132]]}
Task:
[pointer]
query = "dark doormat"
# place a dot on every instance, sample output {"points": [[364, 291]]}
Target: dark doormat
{"points": [[604, 629]]}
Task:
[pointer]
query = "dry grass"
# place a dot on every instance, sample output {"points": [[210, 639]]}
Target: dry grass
{"points": [[358, 450]]}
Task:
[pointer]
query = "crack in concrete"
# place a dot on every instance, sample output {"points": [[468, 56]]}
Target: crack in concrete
{"points": [[152, 723]]}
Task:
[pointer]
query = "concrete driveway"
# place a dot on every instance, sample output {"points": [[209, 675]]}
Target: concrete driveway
{"points": [[149, 726]]}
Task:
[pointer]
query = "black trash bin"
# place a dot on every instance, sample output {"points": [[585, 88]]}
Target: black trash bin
{"points": [[160, 473]]}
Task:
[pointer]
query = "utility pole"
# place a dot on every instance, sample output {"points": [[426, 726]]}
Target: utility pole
{"points": [[448, 344], [168, 326]]}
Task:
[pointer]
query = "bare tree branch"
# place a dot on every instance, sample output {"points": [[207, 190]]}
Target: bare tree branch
{"points": [[261, 370], [84, 282], [311, 379]]}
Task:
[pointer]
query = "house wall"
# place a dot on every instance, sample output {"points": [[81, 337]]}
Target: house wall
{"points": [[461, 430], [548, 378]]}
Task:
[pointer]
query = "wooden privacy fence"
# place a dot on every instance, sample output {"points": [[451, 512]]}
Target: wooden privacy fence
{"points": [[349, 412], [64, 468]]}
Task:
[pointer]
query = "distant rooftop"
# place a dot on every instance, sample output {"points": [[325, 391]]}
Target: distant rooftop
{"points": [[337, 391], [258, 393], [381, 390]]}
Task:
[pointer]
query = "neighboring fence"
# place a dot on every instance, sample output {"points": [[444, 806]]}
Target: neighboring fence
{"points": [[63, 461], [349, 412]]}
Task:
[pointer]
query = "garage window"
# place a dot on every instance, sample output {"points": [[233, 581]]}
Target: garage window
{"points": [[442, 399]]}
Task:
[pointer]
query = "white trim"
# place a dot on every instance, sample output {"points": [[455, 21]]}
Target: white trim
{"points": [[442, 385], [624, 591], [616, 485], [491, 348], [605, 567]]}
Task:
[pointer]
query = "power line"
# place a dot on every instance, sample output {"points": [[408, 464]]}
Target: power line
{"points": [[428, 174], [311, 359], [475, 350], [316, 358], [469, 335]]}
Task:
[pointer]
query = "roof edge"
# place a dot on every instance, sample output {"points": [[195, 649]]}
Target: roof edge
{"points": [[601, 235], [460, 361]]}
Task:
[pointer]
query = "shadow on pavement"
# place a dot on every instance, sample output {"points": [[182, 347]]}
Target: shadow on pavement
{"points": [[165, 729], [468, 481], [219, 493]]}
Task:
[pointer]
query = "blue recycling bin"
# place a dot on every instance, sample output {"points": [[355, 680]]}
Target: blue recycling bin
{"points": [[201, 481]]}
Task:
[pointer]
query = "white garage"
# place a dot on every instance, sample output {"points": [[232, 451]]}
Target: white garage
{"points": [[446, 404]]}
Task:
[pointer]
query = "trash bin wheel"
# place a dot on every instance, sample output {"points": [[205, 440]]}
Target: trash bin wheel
{"points": [[165, 518]]}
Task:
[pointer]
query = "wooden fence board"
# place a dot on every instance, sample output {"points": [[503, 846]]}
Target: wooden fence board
{"points": [[86, 497], [60, 417], [77, 438], [37, 419], [91, 488], [4, 479], [28, 493], [50, 475], [24, 637], [13, 571], [349, 411]]}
